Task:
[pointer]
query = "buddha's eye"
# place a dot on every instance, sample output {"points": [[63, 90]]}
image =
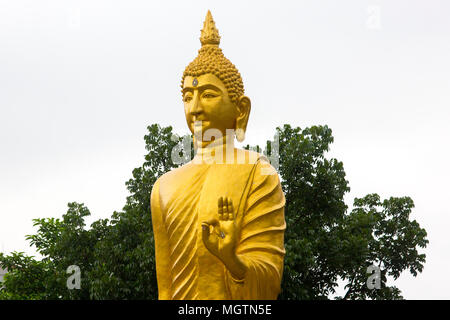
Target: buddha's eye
{"points": [[209, 95], [187, 97]]}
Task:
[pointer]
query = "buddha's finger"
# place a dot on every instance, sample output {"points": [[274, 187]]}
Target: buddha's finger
{"points": [[225, 209], [230, 209], [220, 208]]}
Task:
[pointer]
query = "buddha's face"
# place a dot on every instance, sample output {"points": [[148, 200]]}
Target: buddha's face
{"points": [[206, 99]]}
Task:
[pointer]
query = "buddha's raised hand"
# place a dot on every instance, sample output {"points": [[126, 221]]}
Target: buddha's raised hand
{"points": [[222, 241]]}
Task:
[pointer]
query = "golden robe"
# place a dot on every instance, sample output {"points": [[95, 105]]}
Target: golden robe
{"points": [[185, 197]]}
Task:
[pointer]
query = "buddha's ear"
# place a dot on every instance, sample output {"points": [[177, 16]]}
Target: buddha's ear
{"points": [[243, 106]]}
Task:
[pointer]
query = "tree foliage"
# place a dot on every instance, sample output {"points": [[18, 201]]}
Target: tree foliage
{"points": [[325, 242]]}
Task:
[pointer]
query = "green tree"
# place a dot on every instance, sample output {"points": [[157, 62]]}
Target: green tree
{"points": [[61, 243], [324, 241]]}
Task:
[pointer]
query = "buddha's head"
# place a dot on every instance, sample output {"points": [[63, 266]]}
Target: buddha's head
{"points": [[213, 91]]}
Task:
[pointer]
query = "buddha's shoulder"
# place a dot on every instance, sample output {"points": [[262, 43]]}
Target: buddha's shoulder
{"points": [[249, 157], [254, 157], [263, 167], [264, 171], [175, 174]]}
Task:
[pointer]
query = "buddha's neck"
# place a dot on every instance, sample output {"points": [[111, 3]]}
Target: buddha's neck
{"points": [[217, 151]]}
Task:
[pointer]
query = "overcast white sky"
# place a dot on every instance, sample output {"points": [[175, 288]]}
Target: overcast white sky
{"points": [[81, 80]]}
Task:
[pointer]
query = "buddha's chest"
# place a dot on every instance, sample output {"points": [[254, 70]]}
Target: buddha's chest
{"points": [[196, 189]]}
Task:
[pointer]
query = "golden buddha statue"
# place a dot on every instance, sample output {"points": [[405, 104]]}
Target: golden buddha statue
{"points": [[218, 221]]}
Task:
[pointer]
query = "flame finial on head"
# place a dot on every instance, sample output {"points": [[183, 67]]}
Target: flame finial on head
{"points": [[210, 34]]}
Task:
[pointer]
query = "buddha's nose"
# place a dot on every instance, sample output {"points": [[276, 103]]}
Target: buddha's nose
{"points": [[196, 108]]}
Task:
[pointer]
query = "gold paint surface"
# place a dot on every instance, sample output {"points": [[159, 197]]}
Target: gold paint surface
{"points": [[218, 221]]}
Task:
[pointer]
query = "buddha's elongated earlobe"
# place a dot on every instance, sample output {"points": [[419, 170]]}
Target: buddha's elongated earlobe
{"points": [[240, 134], [244, 107]]}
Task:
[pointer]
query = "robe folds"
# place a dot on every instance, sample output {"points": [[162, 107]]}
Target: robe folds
{"points": [[185, 197]]}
